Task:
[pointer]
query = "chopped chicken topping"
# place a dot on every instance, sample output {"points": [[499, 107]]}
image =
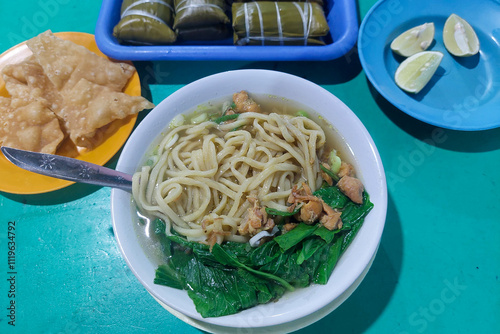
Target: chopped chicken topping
{"points": [[325, 176], [289, 226], [331, 220], [216, 235], [269, 225], [312, 208], [230, 111], [346, 169], [352, 188], [256, 219], [244, 103]]}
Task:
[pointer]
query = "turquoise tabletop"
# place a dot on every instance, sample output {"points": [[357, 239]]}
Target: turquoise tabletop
{"points": [[437, 269]]}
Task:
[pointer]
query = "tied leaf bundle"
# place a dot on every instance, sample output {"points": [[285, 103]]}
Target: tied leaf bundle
{"points": [[233, 276], [146, 22], [201, 20], [279, 23]]}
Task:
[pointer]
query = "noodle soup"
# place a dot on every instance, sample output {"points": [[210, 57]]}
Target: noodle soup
{"points": [[247, 284], [212, 109], [252, 192]]}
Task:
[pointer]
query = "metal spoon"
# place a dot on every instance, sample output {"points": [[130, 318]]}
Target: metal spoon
{"points": [[68, 168]]}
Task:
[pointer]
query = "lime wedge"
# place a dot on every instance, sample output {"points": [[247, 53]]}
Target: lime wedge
{"points": [[459, 37], [414, 40], [415, 72]]}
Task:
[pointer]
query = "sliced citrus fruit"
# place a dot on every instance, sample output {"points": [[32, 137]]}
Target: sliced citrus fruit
{"points": [[459, 37], [414, 40], [415, 72]]}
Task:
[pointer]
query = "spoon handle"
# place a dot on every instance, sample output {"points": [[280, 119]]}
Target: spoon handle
{"points": [[68, 168]]}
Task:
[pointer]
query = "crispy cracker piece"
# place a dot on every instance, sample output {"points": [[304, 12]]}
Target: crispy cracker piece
{"points": [[4, 105], [5, 110], [16, 84], [26, 82], [32, 127], [65, 63], [88, 107], [41, 87]]}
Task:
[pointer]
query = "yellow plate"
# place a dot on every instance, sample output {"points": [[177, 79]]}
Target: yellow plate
{"points": [[19, 181]]}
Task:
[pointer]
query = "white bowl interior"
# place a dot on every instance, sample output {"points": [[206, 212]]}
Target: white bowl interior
{"points": [[367, 162]]}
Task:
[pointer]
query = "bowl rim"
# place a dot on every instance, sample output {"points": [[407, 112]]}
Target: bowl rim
{"points": [[363, 247]]}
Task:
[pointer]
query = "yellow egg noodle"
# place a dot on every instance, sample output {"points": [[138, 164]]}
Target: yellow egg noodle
{"points": [[200, 176]]}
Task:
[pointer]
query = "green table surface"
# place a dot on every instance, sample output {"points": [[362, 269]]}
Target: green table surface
{"points": [[436, 270]]}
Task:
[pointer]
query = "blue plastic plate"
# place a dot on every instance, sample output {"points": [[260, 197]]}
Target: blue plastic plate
{"points": [[464, 93], [341, 16]]}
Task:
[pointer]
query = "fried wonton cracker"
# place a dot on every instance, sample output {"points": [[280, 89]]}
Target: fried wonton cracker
{"points": [[26, 81], [65, 63], [16, 84], [4, 106], [31, 127], [88, 107]]}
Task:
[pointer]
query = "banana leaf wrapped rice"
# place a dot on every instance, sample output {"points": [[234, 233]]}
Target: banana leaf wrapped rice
{"points": [[202, 20], [278, 23], [146, 22]]}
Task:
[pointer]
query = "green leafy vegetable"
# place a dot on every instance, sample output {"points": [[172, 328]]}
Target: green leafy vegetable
{"points": [[225, 118], [333, 197], [330, 173], [232, 276], [309, 247], [328, 235], [355, 216], [226, 259], [160, 226], [274, 212], [166, 275], [293, 237], [330, 259]]}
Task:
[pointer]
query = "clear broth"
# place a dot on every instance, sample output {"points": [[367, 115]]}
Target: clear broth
{"points": [[144, 227]]}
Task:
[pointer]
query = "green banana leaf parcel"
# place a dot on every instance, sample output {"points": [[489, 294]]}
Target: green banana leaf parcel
{"points": [[146, 22], [279, 23]]}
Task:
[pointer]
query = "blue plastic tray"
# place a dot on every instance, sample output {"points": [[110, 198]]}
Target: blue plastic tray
{"points": [[341, 16]]}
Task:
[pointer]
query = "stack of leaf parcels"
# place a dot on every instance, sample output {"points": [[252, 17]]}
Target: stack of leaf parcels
{"points": [[167, 21], [253, 23]]}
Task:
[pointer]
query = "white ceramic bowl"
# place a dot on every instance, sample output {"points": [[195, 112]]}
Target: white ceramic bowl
{"points": [[303, 303]]}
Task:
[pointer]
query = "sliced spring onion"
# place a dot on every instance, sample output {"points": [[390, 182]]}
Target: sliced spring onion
{"points": [[302, 113], [225, 118], [334, 161], [200, 118], [177, 121], [274, 212], [152, 160]]}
